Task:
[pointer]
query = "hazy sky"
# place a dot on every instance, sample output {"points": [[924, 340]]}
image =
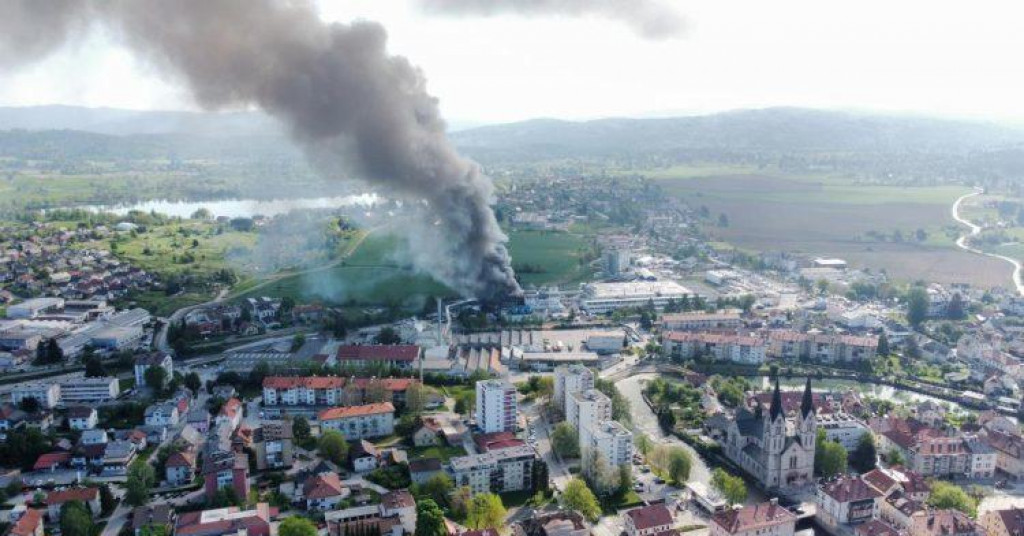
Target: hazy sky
{"points": [[921, 56]]}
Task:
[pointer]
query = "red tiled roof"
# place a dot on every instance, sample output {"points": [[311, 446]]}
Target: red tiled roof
{"points": [[876, 527], [181, 459], [230, 408], [648, 517], [378, 352], [748, 517], [27, 523], [390, 384], [394, 500], [322, 486], [309, 382], [77, 494], [355, 411], [877, 479], [51, 459], [847, 489]]}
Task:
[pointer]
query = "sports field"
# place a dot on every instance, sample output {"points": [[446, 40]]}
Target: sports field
{"points": [[835, 216]]}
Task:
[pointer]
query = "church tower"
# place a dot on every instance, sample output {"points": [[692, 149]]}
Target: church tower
{"points": [[775, 438], [808, 418]]}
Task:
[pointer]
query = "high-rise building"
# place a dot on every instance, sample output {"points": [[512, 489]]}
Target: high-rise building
{"points": [[585, 410], [571, 379], [610, 441], [495, 406]]}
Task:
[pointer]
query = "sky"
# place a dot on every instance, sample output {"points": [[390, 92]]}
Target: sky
{"points": [[924, 57]]}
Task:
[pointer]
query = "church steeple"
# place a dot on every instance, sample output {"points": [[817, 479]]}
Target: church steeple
{"points": [[776, 408], [807, 405]]}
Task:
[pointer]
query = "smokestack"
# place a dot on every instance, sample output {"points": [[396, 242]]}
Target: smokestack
{"points": [[344, 99]]}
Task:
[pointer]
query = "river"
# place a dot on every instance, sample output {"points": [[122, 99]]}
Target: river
{"points": [[240, 208], [974, 230]]}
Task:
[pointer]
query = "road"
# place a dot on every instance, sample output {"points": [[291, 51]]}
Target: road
{"points": [[975, 230]]}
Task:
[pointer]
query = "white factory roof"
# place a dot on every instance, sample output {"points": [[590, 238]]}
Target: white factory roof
{"points": [[630, 289]]}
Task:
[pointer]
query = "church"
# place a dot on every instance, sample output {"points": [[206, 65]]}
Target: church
{"points": [[776, 450]]}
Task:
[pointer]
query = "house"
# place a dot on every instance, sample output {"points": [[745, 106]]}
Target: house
{"points": [[152, 515], [163, 414], [323, 492], [1009, 451], [648, 520], [199, 419], [26, 522], [847, 500], [180, 468], [152, 359], [363, 456], [55, 499], [11, 417], [767, 518], [230, 521], [945, 523], [225, 470], [400, 504], [82, 418], [424, 469], [876, 527], [117, 457], [1009, 522], [358, 422], [231, 413], [426, 435], [52, 461]]}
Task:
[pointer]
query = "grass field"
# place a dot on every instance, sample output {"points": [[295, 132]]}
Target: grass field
{"points": [[442, 453], [832, 216], [376, 272]]}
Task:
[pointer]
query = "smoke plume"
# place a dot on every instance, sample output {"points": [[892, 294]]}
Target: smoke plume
{"points": [[345, 100], [649, 18]]}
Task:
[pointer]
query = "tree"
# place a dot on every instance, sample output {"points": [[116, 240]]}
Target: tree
{"points": [[156, 377], [864, 456], [883, 345], [438, 487], [387, 335], [486, 511], [949, 495], [541, 480], [49, 352], [300, 428], [464, 402], [731, 487], [955, 311], [93, 367], [917, 305], [75, 519], [429, 519], [723, 220], [579, 498], [894, 457], [298, 526], [679, 464], [565, 440], [460, 502], [332, 446], [829, 457], [107, 500], [625, 478], [141, 478], [415, 398], [193, 382], [643, 443], [297, 341], [29, 404]]}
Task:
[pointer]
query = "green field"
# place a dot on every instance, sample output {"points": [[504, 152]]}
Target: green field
{"points": [[826, 215], [545, 258]]}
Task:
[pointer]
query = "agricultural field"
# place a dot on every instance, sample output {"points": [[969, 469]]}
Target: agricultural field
{"points": [[545, 258], [870, 225]]}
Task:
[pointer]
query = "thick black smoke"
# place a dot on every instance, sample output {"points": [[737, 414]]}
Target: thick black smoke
{"points": [[344, 98], [652, 19]]}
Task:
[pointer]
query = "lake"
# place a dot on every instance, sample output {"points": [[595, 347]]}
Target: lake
{"points": [[241, 208]]}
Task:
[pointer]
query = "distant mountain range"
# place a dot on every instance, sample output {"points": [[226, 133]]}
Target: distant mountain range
{"points": [[771, 130]]}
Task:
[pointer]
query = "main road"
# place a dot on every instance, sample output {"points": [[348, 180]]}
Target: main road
{"points": [[975, 230]]}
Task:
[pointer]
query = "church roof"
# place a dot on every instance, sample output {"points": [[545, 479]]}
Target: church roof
{"points": [[776, 409]]}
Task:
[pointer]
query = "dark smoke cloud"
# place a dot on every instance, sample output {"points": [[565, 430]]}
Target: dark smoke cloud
{"points": [[649, 18], [343, 97]]}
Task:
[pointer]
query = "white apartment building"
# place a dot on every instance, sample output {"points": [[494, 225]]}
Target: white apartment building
{"points": [[734, 347], [303, 391], [360, 422], [155, 359], [609, 440], [48, 394], [585, 410], [701, 321], [165, 414], [84, 390], [842, 429], [571, 379], [496, 406], [497, 471]]}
